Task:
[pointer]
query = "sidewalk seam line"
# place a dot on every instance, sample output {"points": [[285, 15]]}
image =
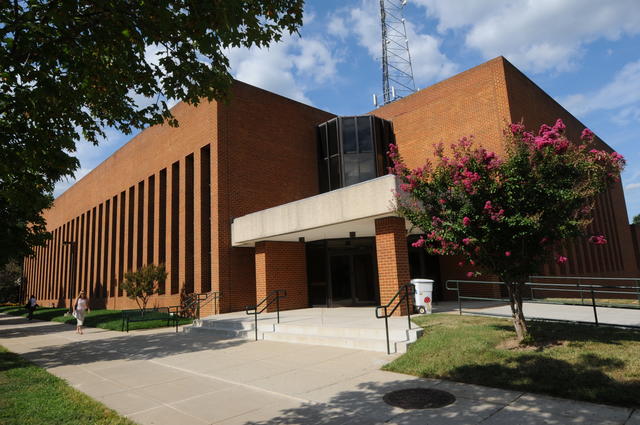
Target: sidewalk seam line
{"points": [[501, 408], [228, 381]]}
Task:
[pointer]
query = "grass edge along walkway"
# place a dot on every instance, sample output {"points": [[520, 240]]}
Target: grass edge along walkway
{"points": [[104, 319], [579, 362], [33, 396]]}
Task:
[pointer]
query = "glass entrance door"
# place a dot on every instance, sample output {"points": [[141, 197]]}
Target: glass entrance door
{"points": [[364, 278], [342, 272], [352, 278], [341, 283]]}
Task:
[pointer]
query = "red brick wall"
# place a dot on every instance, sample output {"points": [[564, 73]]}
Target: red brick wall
{"points": [[393, 258], [99, 268], [267, 157], [261, 153], [635, 239], [473, 102], [282, 265]]}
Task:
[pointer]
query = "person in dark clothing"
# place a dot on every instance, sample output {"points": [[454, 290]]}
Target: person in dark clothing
{"points": [[31, 306]]}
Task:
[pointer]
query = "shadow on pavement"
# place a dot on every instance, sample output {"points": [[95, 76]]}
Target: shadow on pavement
{"points": [[474, 404], [132, 346], [583, 380]]}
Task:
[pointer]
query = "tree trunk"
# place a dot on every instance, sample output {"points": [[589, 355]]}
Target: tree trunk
{"points": [[517, 315]]}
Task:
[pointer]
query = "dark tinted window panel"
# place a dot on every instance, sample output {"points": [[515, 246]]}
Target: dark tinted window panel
{"points": [[324, 175], [322, 138], [351, 173], [355, 150], [349, 135], [332, 135], [367, 166], [365, 137], [334, 167]]}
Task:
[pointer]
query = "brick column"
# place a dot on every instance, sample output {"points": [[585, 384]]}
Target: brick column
{"points": [[393, 258], [282, 265]]}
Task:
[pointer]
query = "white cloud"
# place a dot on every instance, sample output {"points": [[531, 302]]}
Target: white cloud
{"points": [[627, 115], [632, 186], [428, 62], [287, 67], [622, 92], [536, 35], [337, 27], [90, 156]]}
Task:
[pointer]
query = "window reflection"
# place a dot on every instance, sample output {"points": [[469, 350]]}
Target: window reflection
{"points": [[352, 150], [349, 135], [365, 141]]}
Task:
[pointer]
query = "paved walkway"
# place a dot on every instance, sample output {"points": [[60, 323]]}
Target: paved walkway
{"points": [[159, 377], [577, 313]]}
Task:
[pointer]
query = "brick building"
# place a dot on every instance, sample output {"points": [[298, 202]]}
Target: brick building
{"points": [[265, 193]]}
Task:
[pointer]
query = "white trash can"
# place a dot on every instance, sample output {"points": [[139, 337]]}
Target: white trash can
{"points": [[423, 294]]}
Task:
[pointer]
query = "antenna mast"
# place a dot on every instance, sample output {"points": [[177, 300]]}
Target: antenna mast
{"points": [[397, 72]]}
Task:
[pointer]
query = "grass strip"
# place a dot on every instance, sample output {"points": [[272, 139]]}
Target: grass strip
{"points": [[580, 362], [33, 396], [104, 319]]}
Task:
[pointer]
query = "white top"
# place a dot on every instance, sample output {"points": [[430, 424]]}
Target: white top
{"points": [[32, 301], [82, 304]]}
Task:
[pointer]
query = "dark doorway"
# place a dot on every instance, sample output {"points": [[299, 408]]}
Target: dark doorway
{"points": [[352, 278], [341, 280], [342, 272]]}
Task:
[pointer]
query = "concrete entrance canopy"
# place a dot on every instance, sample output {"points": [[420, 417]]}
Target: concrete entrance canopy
{"points": [[330, 215]]}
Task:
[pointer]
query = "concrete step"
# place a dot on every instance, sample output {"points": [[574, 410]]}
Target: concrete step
{"points": [[348, 332], [369, 344], [366, 338], [228, 328], [224, 324], [219, 333]]}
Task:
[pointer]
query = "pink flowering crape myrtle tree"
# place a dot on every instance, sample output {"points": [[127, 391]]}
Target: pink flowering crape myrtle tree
{"points": [[507, 216]]}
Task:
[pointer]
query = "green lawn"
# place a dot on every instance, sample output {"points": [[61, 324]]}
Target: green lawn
{"points": [[105, 319], [572, 361], [33, 396]]}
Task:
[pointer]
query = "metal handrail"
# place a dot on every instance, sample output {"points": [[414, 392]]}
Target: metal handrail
{"points": [[209, 296], [196, 300], [591, 289], [273, 296], [404, 293]]}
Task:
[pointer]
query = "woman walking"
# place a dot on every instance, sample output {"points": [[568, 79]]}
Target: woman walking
{"points": [[80, 307]]}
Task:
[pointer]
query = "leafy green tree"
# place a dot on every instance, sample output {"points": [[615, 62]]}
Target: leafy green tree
{"points": [[10, 280], [507, 216], [68, 69], [636, 219], [143, 283]]}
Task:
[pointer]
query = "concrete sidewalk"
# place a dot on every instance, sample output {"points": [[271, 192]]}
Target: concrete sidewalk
{"points": [[159, 377], [576, 313]]}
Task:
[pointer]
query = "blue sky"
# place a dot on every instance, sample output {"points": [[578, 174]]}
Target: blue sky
{"points": [[584, 53]]}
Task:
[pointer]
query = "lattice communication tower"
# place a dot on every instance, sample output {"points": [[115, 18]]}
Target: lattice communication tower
{"points": [[397, 72]]}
